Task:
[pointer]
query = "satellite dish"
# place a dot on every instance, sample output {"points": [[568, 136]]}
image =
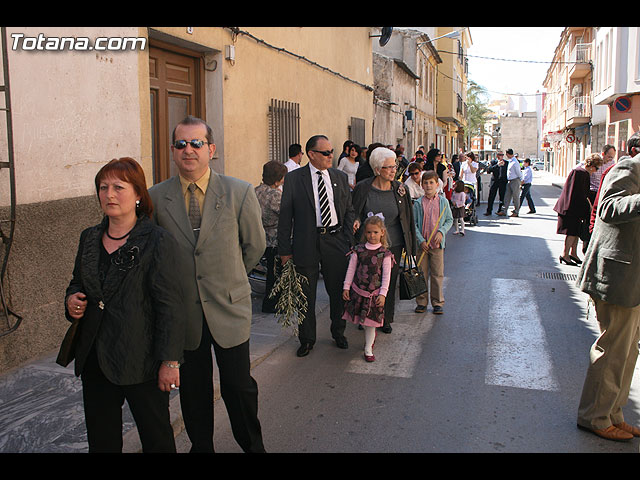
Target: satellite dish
{"points": [[386, 35]]}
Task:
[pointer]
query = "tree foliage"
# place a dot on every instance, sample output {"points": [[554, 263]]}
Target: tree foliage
{"points": [[477, 110]]}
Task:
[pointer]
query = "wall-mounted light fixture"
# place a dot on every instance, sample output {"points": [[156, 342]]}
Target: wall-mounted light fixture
{"points": [[230, 52]]}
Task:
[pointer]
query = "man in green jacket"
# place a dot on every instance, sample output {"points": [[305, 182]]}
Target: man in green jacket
{"points": [[217, 223], [609, 274]]}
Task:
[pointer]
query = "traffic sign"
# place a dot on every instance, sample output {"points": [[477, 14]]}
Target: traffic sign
{"points": [[622, 104], [570, 138]]}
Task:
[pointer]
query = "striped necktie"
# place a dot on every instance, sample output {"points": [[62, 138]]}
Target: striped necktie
{"points": [[194, 211], [325, 210]]}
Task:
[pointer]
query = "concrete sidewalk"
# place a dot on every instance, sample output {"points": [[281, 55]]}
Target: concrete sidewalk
{"points": [[41, 408]]}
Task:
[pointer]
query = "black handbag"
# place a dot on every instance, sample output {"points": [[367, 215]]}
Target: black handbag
{"points": [[68, 348], [412, 282], [584, 233]]}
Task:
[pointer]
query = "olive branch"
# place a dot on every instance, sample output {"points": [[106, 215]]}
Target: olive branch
{"points": [[292, 303]]}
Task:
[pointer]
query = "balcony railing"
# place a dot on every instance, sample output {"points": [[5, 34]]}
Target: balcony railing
{"points": [[580, 59], [579, 107], [581, 53]]}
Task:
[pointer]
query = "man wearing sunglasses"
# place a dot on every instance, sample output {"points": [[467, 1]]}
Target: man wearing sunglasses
{"points": [[316, 208], [217, 223]]}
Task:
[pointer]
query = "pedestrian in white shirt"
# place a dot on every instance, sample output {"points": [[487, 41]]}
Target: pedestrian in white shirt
{"points": [[469, 169], [514, 181], [527, 180], [295, 157], [349, 164], [414, 182]]}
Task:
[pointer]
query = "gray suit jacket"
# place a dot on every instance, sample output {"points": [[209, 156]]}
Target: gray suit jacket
{"points": [[214, 270], [611, 267]]}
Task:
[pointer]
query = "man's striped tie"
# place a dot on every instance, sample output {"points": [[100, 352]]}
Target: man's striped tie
{"points": [[325, 211]]}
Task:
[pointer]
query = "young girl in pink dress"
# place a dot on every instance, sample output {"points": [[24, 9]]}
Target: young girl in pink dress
{"points": [[458, 199], [367, 281]]}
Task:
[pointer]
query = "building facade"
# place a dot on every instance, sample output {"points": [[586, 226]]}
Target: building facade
{"points": [[405, 90], [617, 83], [519, 133], [567, 109], [593, 94], [452, 74]]}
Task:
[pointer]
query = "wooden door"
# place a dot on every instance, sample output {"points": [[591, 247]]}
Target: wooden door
{"points": [[176, 90]]}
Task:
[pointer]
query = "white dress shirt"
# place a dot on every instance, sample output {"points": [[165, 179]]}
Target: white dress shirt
{"points": [[513, 170], [527, 175], [291, 165], [329, 188]]}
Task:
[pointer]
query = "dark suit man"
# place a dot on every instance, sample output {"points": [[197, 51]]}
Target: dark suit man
{"points": [[498, 170], [217, 251], [316, 208]]}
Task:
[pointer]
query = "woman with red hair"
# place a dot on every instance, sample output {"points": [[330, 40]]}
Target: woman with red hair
{"points": [[124, 294]]}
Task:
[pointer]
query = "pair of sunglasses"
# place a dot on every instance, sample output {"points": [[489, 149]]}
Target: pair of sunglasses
{"points": [[182, 144], [326, 153]]}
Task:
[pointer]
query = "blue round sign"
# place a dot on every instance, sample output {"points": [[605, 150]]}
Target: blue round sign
{"points": [[622, 104]]}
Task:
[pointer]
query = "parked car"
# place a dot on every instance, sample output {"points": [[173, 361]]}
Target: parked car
{"points": [[538, 165]]}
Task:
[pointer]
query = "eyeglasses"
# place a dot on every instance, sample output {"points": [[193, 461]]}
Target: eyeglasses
{"points": [[182, 144], [392, 167], [326, 153], [415, 173]]}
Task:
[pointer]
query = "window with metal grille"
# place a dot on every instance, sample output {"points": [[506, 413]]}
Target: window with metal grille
{"points": [[284, 128]]}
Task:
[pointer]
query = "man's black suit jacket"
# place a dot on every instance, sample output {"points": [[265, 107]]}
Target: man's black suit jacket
{"points": [[498, 173], [298, 215]]}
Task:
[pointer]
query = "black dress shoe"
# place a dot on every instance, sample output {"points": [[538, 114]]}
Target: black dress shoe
{"points": [[385, 329], [304, 350], [342, 343]]}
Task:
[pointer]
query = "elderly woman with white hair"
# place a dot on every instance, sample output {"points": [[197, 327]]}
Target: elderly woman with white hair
{"points": [[382, 194]]}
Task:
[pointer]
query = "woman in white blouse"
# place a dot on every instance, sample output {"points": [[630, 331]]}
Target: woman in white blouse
{"points": [[349, 164]]}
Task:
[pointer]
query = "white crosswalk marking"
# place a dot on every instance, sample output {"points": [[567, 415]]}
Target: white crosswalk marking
{"points": [[517, 354]]}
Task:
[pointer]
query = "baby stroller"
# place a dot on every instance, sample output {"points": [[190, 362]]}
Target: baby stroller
{"points": [[470, 214]]}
